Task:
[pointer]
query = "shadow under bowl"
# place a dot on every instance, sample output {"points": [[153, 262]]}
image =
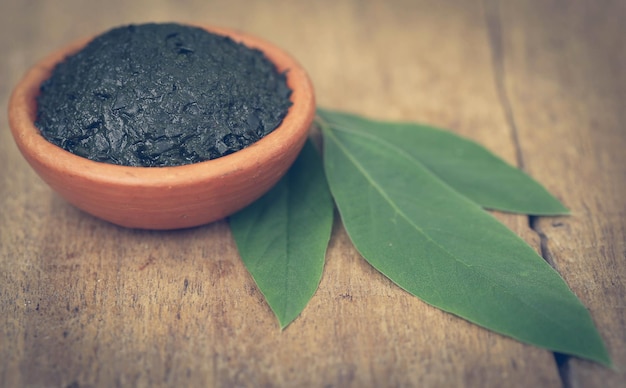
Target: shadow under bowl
{"points": [[165, 197]]}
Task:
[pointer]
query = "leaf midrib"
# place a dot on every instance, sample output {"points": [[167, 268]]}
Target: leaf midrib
{"points": [[388, 199], [287, 249], [408, 156]]}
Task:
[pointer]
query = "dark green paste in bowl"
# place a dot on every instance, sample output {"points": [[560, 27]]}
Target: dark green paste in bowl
{"points": [[161, 95]]}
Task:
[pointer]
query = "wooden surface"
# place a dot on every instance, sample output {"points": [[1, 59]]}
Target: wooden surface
{"points": [[541, 83]]}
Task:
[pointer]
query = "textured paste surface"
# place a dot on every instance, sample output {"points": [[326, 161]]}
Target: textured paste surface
{"points": [[161, 95]]}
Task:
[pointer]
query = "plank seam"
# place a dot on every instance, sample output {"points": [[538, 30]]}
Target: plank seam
{"points": [[494, 36]]}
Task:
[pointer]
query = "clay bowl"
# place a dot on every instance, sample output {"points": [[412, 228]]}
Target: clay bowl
{"points": [[165, 197]]}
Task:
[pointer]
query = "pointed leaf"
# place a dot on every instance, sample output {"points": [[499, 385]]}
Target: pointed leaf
{"points": [[464, 165], [283, 236], [440, 246]]}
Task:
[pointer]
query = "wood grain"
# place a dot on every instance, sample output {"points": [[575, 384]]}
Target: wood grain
{"points": [[84, 303], [569, 102]]}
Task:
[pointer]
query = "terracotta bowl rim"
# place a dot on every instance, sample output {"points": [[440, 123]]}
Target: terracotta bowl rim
{"points": [[295, 125]]}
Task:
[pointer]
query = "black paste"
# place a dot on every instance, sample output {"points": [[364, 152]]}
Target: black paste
{"points": [[161, 95]]}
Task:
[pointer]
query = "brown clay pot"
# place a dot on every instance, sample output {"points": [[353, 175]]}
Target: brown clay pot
{"points": [[165, 197]]}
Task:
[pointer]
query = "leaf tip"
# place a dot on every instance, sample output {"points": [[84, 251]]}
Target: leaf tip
{"points": [[284, 322], [604, 360], [561, 210]]}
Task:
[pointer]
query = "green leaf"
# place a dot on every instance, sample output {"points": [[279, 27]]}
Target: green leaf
{"points": [[442, 247], [283, 236], [464, 165]]}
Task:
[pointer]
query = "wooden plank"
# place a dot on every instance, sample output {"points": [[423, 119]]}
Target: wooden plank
{"points": [[86, 303], [567, 83]]}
